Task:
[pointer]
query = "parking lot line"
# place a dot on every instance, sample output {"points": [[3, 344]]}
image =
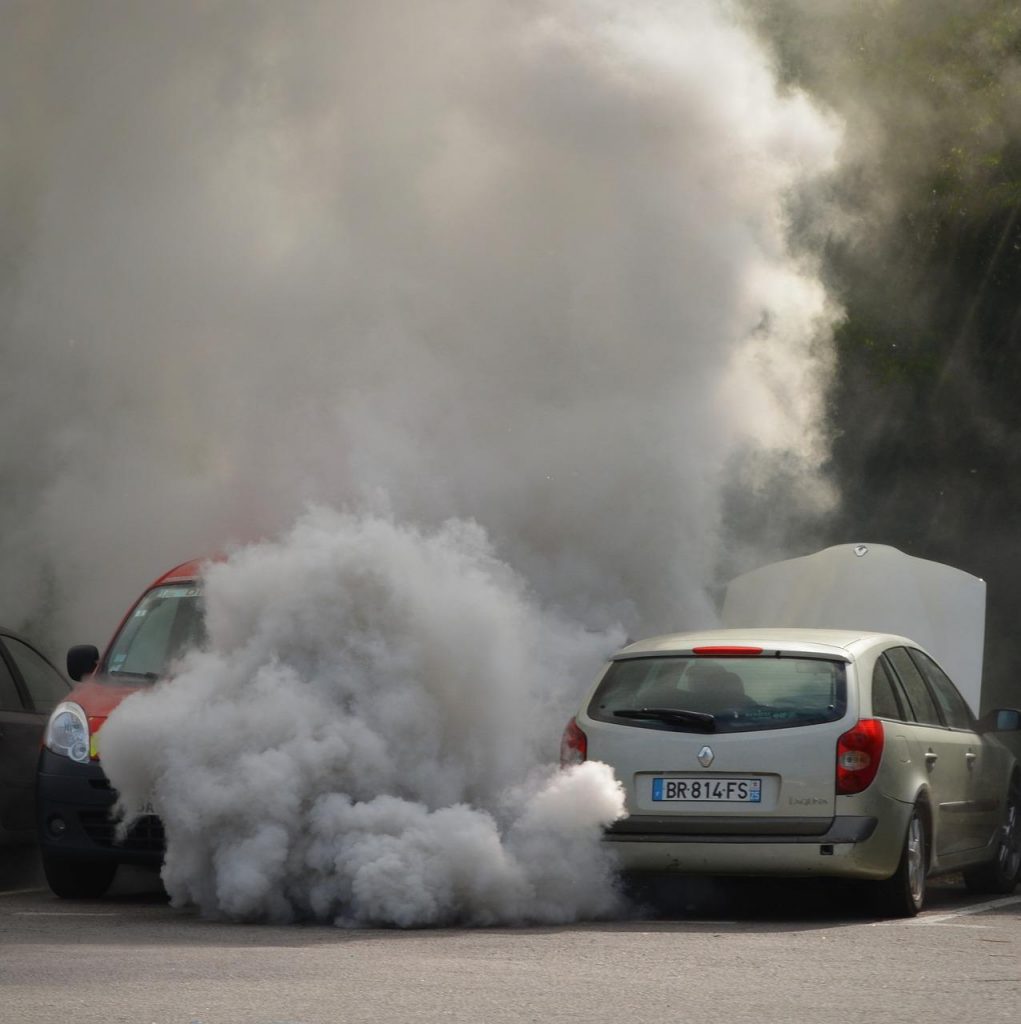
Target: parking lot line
{"points": [[978, 908], [65, 913]]}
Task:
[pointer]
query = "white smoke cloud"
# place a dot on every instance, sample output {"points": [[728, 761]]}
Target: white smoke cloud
{"points": [[519, 265], [360, 740], [524, 264]]}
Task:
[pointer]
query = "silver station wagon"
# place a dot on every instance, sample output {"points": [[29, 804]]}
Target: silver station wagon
{"points": [[803, 752]]}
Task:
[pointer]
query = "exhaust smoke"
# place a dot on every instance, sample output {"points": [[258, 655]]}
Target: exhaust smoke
{"points": [[359, 740], [525, 265]]}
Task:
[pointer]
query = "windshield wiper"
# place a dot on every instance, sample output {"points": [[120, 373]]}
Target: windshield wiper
{"points": [[675, 716], [134, 675]]}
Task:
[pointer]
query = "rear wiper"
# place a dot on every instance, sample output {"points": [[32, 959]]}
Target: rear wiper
{"points": [[677, 716]]}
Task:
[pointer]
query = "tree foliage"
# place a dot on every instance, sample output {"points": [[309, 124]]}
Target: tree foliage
{"points": [[919, 235]]}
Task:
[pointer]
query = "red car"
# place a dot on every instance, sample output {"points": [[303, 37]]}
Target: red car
{"points": [[80, 852]]}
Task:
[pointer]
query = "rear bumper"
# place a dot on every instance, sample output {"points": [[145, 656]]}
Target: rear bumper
{"points": [[74, 803], [847, 846]]}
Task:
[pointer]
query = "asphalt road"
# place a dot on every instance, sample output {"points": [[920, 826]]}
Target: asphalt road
{"points": [[723, 952]]}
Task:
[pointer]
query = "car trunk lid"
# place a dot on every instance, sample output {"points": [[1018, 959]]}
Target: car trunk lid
{"points": [[726, 777], [759, 752]]}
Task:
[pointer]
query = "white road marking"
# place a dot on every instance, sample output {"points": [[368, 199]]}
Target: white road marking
{"points": [[952, 924], [978, 908], [65, 913], [19, 892]]}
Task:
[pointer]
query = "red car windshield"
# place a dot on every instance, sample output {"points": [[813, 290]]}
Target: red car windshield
{"points": [[165, 623]]}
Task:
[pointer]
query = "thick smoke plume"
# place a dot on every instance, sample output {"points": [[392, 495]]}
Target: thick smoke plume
{"points": [[520, 265], [525, 264], [358, 740]]}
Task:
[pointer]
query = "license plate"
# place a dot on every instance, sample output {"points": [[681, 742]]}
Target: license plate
{"points": [[708, 791]]}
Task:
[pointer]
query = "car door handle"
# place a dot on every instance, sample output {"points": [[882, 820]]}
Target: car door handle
{"points": [[971, 758], [931, 758]]}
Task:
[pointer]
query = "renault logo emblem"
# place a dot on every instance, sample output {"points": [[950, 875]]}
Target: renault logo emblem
{"points": [[705, 756]]}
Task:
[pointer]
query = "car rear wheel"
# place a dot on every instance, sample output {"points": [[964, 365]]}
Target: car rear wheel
{"points": [[77, 879], [1000, 875], [903, 894]]}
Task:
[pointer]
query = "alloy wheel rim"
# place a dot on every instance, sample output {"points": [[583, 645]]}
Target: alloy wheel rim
{"points": [[915, 851], [1010, 835]]}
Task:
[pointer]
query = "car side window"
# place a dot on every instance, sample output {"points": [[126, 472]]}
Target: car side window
{"points": [[922, 705], [954, 707], [885, 703], [10, 699], [46, 686]]}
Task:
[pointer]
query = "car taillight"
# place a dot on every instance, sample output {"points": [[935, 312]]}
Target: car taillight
{"points": [[726, 652], [573, 745], [859, 751]]}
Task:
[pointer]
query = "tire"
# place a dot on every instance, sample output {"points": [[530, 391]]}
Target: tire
{"points": [[1000, 875], [78, 879], [903, 893]]}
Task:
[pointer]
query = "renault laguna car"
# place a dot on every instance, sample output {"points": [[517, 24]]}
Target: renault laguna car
{"points": [[77, 840], [801, 752]]}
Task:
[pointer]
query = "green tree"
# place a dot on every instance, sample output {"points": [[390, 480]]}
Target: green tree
{"points": [[919, 237]]}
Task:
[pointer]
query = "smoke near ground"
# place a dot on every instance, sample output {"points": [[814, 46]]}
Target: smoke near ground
{"points": [[366, 739], [522, 268]]}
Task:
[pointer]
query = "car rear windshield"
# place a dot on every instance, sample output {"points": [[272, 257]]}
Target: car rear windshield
{"points": [[697, 694], [165, 623]]}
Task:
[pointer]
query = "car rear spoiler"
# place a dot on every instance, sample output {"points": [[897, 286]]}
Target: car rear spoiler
{"points": [[874, 588]]}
